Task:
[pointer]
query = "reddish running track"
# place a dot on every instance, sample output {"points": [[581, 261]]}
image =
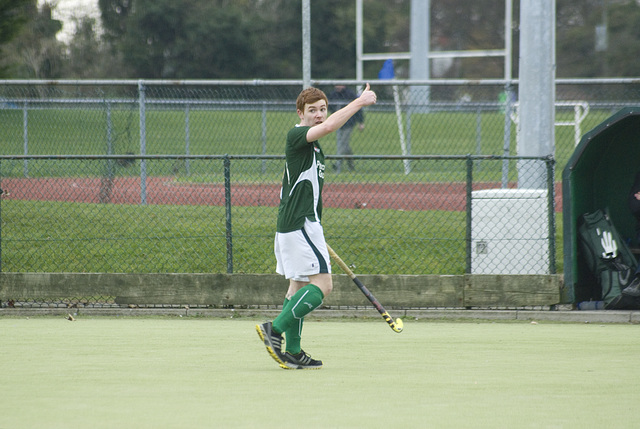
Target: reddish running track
{"points": [[165, 190]]}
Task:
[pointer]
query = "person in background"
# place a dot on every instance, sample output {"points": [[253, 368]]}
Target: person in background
{"points": [[340, 97]]}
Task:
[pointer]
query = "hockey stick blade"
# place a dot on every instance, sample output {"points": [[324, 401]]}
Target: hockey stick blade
{"points": [[396, 325]]}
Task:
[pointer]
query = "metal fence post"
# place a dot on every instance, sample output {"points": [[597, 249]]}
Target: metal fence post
{"points": [[187, 138], [107, 182], [550, 161], [143, 143], [227, 205], [478, 131], [109, 130], [1, 192], [264, 136], [468, 237], [507, 135], [25, 137]]}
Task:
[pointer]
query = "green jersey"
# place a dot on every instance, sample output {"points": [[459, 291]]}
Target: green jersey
{"points": [[301, 193]]}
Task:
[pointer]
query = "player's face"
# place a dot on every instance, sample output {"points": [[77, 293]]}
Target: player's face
{"points": [[313, 114]]}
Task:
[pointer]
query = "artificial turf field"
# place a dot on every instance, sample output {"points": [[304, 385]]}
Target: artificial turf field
{"points": [[200, 372]]}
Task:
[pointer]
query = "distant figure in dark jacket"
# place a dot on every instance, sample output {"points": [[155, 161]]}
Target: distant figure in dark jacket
{"points": [[340, 97]]}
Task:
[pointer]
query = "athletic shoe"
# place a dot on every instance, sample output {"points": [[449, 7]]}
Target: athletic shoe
{"points": [[633, 289], [300, 361], [272, 341]]}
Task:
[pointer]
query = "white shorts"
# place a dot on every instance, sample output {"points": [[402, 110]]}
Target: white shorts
{"points": [[302, 253]]}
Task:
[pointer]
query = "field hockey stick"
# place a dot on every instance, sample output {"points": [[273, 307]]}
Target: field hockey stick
{"points": [[397, 325]]}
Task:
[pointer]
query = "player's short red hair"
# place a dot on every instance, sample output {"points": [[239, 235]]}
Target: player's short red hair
{"points": [[310, 96]]}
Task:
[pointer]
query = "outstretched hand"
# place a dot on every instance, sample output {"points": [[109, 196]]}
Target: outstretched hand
{"points": [[368, 97]]}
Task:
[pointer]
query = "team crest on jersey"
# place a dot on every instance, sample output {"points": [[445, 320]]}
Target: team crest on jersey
{"points": [[317, 149]]}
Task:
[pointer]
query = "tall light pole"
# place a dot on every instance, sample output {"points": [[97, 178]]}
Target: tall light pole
{"points": [[536, 92], [419, 44], [306, 43], [359, 40]]}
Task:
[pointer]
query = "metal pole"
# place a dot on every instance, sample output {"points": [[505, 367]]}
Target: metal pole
{"points": [[187, 138], [508, 38], [536, 111], [551, 213], [359, 40], [403, 142], [507, 135], [419, 45], [264, 136], [508, 58], [419, 65], [478, 131], [107, 183], [306, 43], [227, 204], [1, 192], [25, 137], [109, 130], [143, 143], [468, 233]]}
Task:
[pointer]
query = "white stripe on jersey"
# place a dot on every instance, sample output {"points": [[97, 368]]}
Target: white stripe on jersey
{"points": [[312, 176]]}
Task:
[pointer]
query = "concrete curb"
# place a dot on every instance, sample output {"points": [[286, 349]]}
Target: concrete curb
{"points": [[567, 316]]}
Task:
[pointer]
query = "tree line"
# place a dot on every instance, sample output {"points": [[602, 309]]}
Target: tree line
{"points": [[261, 39]]}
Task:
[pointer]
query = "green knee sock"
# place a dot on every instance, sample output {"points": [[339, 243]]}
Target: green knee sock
{"points": [[301, 303], [293, 334]]}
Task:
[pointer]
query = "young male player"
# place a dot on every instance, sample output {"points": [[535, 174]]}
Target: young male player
{"points": [[300, 248]]}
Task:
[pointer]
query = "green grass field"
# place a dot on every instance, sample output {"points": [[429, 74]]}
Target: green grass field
{"points": [[71, 237], [211, 132], [197, 373]]}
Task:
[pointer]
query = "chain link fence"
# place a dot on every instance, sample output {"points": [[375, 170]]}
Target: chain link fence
{"points": [[251, 117], [101, 214], [163, 177]]}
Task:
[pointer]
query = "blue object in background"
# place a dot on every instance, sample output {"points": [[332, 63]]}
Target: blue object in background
{"points": [[387, 72]]}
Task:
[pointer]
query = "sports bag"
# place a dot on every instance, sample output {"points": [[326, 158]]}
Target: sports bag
{"points": [[608, 258]]}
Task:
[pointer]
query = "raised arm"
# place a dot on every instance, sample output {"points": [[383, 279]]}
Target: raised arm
{"points": [[341, 117]]}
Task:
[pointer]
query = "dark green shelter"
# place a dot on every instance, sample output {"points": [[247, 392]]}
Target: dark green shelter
{"points": [[599, 175]]}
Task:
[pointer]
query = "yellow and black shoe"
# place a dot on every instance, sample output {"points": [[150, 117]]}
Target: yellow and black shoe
{"points": [[300, 361], [272, 341]]}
